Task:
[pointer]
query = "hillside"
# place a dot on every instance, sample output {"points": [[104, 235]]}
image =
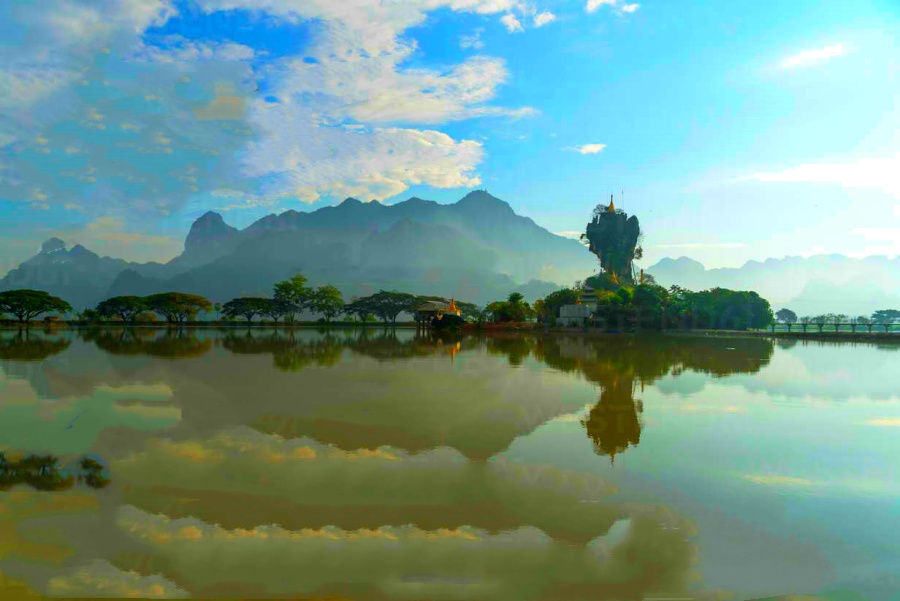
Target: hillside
{"points": [[477, 249]]}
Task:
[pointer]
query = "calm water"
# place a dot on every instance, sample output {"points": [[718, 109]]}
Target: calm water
{"points": [[385, 466]]}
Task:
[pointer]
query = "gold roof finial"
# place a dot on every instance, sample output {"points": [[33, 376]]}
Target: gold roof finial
{"points": [[612, 205]]}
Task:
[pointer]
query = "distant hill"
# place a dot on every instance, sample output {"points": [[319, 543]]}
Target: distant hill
{"points": [[808, 286], [477, 249]]}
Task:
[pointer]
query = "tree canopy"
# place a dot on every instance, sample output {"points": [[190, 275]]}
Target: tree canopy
{"points": [[786, 316], [293, 296], [247, 307], [178, 307], [126, 307], [328, 301], [28, 304], [886, 316]]}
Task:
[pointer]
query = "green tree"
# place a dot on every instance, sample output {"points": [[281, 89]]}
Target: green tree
{"points": [[246, 307], [275, 309], [361, 308], [178, 307], [28, 304], [886, 316], [295, 295], [389, 304], [549, 306], [126, 307], [328, 301], [218, 309], [786, 316]]}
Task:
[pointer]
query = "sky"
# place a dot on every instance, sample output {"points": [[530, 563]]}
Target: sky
{"points": [[733, 130]]}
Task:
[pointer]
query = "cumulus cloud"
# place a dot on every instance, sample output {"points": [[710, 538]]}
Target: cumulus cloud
{"points": [[879, 173], [181, 118], [511, 23], [593, 5], [472, 41], [814, 56], [587, 148], [544, 18]]}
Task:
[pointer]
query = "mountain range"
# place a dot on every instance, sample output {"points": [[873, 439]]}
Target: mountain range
{"points": [[477, 249], [807, 285]]}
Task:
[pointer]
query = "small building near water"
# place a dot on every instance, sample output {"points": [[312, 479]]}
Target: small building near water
{"points": [[574, 316], [428, 312]]}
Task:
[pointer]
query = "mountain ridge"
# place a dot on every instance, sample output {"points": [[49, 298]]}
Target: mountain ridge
{"points": [[477, 248]]}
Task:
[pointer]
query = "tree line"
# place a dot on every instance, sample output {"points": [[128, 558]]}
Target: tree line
{"points": [[883, 317], [648, 305], [289, 298]]}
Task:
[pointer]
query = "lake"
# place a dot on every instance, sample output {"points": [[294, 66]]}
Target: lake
{"points": [[377, 465]]}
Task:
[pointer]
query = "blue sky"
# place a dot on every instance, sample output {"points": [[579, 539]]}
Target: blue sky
{"points": [[739, 130]]}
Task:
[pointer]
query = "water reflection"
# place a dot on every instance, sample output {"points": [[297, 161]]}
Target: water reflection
{"points": [[25, 345], [170, 343], [42, 472], [376, 453]]}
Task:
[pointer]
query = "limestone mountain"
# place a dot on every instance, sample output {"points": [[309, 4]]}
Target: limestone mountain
{"points": [[477, 249]]}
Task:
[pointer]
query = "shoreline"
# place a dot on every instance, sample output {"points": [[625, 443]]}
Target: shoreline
{"points": [[532, 328]]}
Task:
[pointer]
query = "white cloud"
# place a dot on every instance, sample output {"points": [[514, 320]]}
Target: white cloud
{"points": [[544, 18], [511, 23], [896, 210], [811, 57], [472, 41], [587, 148], [574, 234], [878, 173], [593, 5], [344, 124]]}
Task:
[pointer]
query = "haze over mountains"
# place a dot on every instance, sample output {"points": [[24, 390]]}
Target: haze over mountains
{"points": [[808, 286], [476, 249]]}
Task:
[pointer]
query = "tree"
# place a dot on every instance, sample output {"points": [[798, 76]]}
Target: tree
{"points": [[177, 307], [28, 304], [514, 309], [218, 309], [786, 316], [294, 295], [328, 301], [126, 307], [276, 309], [886, 316], [389, 304], [549, 306], [614, 237], [246, 307], [360, 307]]}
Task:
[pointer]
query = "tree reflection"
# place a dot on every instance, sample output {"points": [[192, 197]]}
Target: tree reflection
{"points": [[612, 424], [172, 343], [288, 353], [42, 472], [26, 346], [620, 364]]}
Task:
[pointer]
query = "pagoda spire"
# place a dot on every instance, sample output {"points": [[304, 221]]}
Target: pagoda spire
{"points": [[612, 205]]}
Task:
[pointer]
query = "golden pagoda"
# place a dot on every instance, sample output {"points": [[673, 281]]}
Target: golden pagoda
{"points": [[612, 205], [453, 308]]}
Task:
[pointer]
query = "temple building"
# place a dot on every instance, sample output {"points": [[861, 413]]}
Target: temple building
{"points": [[435, 309]]}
